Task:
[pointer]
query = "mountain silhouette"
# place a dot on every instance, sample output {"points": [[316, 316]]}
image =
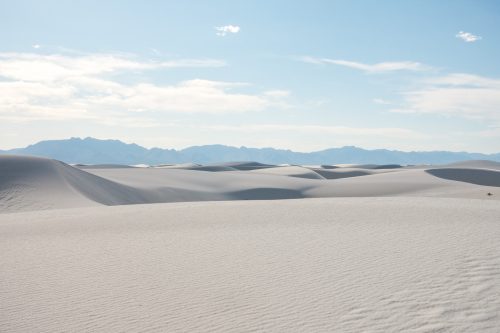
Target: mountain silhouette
{"points": [[95, 151]]}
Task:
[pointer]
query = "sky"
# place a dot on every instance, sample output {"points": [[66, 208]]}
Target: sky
{"points": [[300, 75]]}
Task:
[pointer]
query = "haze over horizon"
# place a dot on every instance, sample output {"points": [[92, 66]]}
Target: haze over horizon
{"points": [[412, 76], [92, 139], [91, 151]]}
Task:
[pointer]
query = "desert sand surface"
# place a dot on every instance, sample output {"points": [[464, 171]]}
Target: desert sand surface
{"points": [[192, 248], [31, 183]]}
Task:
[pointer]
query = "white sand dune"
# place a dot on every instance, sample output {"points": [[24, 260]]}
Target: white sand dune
{"points": [[262, 185], [345, 172], [245, 165], [292, 171], [473, 176], [476, 164], [312, 172], [368, 166], [28, 183], [407, 182], [313, 265], [38, 183], [362, 249]]}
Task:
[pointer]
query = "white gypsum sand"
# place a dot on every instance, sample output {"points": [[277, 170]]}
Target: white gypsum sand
{"points": [[29, 183], [310, 265], [412, 249]]}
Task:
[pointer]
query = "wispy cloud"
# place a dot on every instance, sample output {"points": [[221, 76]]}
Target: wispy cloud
{"points": [[224, 30], [154, 51], [38, 67], [278, 93], [381, 101], [62, 87], [36, 46], [370, 68], [468, 37], [465, 95]]}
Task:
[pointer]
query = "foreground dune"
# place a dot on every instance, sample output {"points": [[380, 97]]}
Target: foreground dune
{"points": [[311, 265]]}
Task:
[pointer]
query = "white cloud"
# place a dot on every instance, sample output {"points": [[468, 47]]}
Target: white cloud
{"points": [[468, 37], [381, 101], [155, 51], [464, 95], [277, 93], [224, 30], [37, 67], [36, 46], [192, 96], [62, 87], [374, 68]]}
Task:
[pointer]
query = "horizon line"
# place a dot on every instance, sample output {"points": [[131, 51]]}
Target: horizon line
{"points": [[247, 147]]}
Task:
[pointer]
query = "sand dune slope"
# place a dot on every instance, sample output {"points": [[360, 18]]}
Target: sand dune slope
{"points": [[407, 182], [31, 183], [311, 265], [476, 164], [28, 183], [341, 172], [473, 176], [292, 171], [245, 165], [38, 183]]}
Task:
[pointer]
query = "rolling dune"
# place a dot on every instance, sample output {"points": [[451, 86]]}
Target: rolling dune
{"points": [[29, 183], [473, 176]]}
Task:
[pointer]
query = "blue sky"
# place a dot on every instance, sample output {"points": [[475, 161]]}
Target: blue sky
{"points": [[302, 75]]}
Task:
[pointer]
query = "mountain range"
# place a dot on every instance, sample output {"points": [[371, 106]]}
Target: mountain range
{"points": [[95, 151]]}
